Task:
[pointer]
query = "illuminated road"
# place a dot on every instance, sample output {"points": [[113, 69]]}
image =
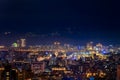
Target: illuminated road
{"points": [[56, 51], [38, 50]]}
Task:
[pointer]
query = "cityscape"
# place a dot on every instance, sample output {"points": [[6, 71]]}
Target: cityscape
{"points": [[59, 62], [59, 40]]}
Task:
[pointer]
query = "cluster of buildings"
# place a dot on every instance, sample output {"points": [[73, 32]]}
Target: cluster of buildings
{"points": [[59, 62], [19, 43]]}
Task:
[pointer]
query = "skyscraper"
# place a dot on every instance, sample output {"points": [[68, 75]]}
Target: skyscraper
{"points": [[23, 42]]}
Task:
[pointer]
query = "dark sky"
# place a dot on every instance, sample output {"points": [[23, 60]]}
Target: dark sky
{"points": [[88, 19]]}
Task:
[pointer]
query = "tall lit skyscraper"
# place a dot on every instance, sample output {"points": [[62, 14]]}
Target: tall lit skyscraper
{"points": [[23, 42]]}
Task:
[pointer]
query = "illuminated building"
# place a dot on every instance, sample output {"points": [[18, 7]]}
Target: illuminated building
{"points": [[8, 73], [90, 46], [38, 67], [2, 47], [56, 43], [99, 47], [118, 72], [23, 42], [59, 69], [14, 44]]}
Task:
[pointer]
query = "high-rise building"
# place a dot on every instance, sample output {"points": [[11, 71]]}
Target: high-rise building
{"points": [[8, 73], [18, 43], [23, 42]]}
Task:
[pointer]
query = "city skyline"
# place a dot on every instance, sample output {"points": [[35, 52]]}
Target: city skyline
{"points": [[59, 40], [7, 38]]}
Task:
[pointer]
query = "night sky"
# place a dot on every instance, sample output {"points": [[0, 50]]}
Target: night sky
{"points": [[76, 19]]}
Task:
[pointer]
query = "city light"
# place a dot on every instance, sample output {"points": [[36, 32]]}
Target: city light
{"points": [[56, 58]]}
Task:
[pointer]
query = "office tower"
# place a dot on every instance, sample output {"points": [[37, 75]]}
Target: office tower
{"points": [[23, 42]]}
